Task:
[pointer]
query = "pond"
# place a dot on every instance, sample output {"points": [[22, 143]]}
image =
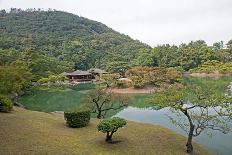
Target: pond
{"points": [[219, 143], [52, 99]]}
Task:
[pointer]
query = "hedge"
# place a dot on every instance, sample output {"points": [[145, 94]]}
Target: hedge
{"points": [[6, 104], [77, 118]]}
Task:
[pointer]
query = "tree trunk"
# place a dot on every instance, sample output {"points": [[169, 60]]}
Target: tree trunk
{"points": [[190, 135], [109, 137], [99, 115], [189, 142]]}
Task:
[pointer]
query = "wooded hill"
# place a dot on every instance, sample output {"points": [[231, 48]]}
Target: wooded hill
{"points": [[65, 40], [51, 42]]}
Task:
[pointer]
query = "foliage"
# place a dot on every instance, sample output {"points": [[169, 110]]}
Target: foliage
{"points": [[14, 78], [5, 104], [166, 55], [123, 84], [214, 66], [185, 56], [77, 118], [203, 108], [52, 79], [60, 41], [172, 75], [102, 100], [43, 80], [108, 80], [145, 57], [38, 64], [142, 76], [110, 126]]}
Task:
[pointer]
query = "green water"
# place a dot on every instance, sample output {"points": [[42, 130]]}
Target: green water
{"points": [[219, 143], [59, 99], [56, 99]]}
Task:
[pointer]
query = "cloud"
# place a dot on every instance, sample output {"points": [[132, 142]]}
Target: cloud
{"points": [[151, 21]]}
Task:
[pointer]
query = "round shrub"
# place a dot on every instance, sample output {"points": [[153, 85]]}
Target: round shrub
{"points": [[110, 126], [6, 104], [77, 118]]}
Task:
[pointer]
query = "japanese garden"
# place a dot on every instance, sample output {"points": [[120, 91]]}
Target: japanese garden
{"points": [[71, 85]]}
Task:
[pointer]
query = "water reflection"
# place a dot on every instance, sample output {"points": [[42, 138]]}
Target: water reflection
{"points": [[219, 144]]}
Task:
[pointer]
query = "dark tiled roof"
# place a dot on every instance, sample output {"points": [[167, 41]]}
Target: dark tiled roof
{"points": [[79, 72]]}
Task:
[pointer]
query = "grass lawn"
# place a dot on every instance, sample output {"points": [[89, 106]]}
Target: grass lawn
{"points": [[30, 132]]}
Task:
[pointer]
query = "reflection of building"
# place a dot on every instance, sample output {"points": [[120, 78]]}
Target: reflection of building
{"points": [[78, 75]]}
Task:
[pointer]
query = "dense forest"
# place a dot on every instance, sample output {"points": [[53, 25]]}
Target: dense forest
{"points": [[58, 41], [51, 42]]}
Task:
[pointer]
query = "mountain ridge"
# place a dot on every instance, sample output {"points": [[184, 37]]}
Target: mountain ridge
{"points": [[67, 37]]}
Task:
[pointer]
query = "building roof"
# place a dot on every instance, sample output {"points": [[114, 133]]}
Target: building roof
{"points": [[97, 71], [64, 73], [125, 79], [79, 72]]}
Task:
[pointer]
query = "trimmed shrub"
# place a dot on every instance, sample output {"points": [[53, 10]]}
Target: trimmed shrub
{"points": [[6, 104], [110, 126], [77, 118]]}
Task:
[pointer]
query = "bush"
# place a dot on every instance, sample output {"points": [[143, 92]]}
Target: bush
{"points": [[6, 104], [137, 82], [214, 66], [77, 118], [43, 80], [122, 84], [110, 126]]}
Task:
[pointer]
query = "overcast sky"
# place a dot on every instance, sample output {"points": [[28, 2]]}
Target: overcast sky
{"points": [[150, 21]]}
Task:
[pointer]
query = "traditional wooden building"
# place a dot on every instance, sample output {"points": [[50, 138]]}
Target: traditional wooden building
{"points": [[78, 75]]}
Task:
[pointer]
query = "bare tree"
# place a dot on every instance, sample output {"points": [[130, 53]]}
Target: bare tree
{"points": [[102, 100]]}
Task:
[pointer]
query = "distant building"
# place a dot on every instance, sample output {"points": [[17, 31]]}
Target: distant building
{"points": [[78, 75], [97, 72], [125, 79]]}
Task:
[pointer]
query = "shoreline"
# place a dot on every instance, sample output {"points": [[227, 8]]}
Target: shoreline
{"points": [[200, 75]]}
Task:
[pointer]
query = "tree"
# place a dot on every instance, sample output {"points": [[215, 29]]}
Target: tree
{"points": [[110, 126], [108, 80], [139, 76], [14, 78], [102, 100], [202, 108], [63, 44], [6, 104], [218, 45], [145, 57], [142, 76], [166, 55], [118, 67]]}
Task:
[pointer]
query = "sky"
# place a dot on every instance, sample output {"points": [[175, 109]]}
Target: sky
{"points": [[150, 21]]}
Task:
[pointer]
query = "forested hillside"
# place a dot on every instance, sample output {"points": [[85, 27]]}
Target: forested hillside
{"points": [[186, 56], [55, 41], [51, 42]]}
